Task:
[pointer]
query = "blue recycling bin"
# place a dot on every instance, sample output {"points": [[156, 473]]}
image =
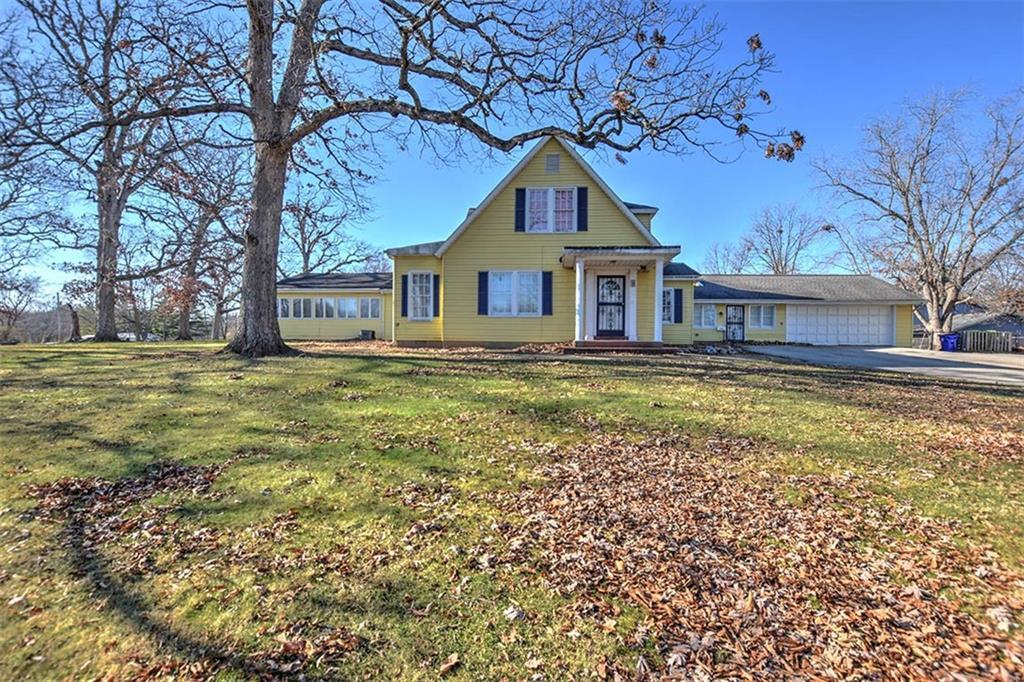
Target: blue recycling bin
{"points": [[948, 342]]}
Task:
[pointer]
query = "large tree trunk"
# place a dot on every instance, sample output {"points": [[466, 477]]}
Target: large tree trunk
{"points": [[106, 258], [258, 334], [76, 329], [940, 306]]}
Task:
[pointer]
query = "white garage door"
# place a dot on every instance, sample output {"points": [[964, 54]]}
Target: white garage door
{"points": [[840, 325]]}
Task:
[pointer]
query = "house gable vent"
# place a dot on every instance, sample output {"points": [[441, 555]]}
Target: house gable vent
{"points": [[551, 162]]}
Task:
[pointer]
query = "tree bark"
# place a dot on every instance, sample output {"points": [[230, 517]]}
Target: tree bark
{"points": [[106, 256], [76, 330], [259, 334]]}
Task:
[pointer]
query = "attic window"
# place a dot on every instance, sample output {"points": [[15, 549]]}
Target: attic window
{"points": [[551, 162]]}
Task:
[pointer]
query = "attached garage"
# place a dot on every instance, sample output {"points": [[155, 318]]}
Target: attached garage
{"points": [[841, 325]]}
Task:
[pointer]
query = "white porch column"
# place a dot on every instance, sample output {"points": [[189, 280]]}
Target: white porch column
{"points": [[579, 299], [659, 285], [631, 304]]}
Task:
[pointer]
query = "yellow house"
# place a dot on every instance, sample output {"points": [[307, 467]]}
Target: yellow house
{"points": [[552, 254]]}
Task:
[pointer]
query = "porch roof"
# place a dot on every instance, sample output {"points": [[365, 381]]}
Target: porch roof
{"points": [[625, 254]]}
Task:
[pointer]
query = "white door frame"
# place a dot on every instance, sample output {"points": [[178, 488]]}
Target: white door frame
{"points": [[590, 318]]}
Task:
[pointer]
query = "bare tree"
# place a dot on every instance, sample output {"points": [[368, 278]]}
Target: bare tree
{"points": [[204, 191], [615, 75], [84, 64], [935, 207], [1001, 287], [782, 241], [315, 235], [725, 258], [17, 295]]}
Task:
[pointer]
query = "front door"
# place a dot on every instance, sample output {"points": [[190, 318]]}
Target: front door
{"points": [[734, 322], [611, 305]]}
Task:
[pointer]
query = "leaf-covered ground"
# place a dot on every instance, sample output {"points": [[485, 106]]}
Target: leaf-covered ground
{"points": [[364, 512]]}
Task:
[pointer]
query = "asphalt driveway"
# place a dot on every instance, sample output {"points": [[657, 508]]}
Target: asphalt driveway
{"points": [[993, 368]]}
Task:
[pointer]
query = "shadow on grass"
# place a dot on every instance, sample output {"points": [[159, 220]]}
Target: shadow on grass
{"points": [[88, 506]]}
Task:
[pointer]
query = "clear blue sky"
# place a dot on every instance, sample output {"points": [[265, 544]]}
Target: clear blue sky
{"points": [[840, 64]]}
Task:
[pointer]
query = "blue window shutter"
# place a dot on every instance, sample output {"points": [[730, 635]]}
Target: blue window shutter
{"points": [[520, 209], [545, 293], [437, 295], [677, 305], [581, 209], [482, 286], [405, 295]]}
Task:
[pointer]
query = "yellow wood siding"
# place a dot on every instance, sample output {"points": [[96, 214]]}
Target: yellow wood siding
{"points": [[645, 219], [416, 330], [702, 335], [775, 334], [904, 325], [680, 334], [334, 328], [491, 243]]}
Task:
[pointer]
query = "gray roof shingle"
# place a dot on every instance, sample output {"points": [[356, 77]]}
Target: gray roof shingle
{"points": [[338, 280], [639, 208], [680, 270], [808, 288], [424, 249]]}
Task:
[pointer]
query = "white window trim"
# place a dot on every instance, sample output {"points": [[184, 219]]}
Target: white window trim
{"points": [[671, 305], [409, 304], [550, 227], [287, 306], [515, 293], [340, 308], [301, 301], [758, 321], [698, 316], [369, 306]]}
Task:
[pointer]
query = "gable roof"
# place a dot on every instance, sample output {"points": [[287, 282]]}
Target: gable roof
{"points": [[680, 270], [471, 216], [801, 288], [338, 280], [640, 208], [424, 249]]}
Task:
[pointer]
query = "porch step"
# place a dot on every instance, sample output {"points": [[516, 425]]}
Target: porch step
{"points": [[640, 348], [603, 343]]}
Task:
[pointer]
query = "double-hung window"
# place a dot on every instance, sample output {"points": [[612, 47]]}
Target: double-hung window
{"points": [[421, 295], [369, 308], [514, 294], [704, 315], [668, 305], [762, 317], [283, 307], [551, 209], [348, 307]]}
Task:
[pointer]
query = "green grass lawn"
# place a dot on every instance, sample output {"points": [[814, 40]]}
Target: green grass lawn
{"points": [[341, 514]]}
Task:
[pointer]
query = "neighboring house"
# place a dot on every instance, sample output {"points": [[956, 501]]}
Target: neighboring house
{"points": [[553, 255], [970, 317]]}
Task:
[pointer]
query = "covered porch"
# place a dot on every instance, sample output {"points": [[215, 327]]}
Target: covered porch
{"points": [[618, 292]]}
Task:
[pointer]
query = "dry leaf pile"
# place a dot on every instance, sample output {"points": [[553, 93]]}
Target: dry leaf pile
{"points": [[738, 581], [113, 532]]}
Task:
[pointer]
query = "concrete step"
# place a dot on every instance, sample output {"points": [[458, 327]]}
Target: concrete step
{"points": [[636, 348]]}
